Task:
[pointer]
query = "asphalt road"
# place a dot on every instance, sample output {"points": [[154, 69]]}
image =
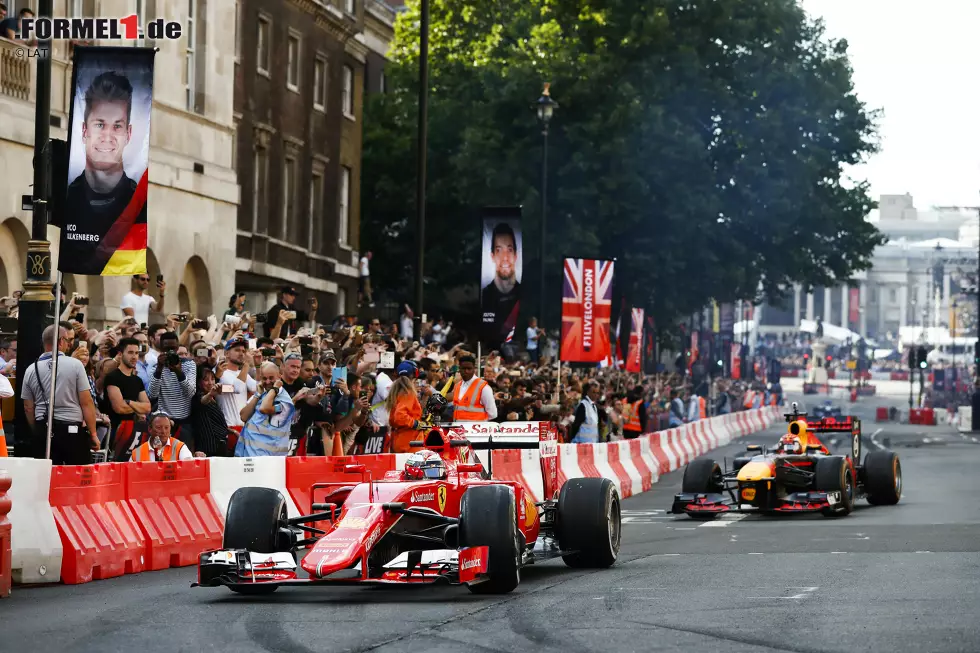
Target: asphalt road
{"points": [[901, 578]]}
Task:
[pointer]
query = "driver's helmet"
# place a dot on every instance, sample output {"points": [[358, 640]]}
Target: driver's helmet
{"points": [[790, 443], [828, 403], [425, 464]]}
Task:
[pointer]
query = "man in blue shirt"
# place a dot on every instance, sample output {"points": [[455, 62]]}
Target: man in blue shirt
{"points": [[268, 417]]}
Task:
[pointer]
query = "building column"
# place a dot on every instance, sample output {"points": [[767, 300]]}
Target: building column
{"points": [[903, 304], [827, 312], [845, 309], [862, 310], [928, 303], [809, 306], [947, 302], [796, 305]]}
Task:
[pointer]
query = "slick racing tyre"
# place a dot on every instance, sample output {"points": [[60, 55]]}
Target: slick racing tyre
{"points": [[883, 478], [589, 522], [702, 476], [833, 474], [253, 521], [488, 517]]}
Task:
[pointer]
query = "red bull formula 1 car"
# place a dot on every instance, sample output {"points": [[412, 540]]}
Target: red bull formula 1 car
{"points": [[799, 475], [442, 519]]}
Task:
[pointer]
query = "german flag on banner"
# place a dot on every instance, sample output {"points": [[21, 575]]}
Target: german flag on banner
{"points": [[104, 225]]}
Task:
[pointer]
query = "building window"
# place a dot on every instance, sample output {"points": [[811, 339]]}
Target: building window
{"points": [[350, 6], [238, 30], [320, 83], [259, 176], [264, 46], [892, 296], [348, 94], [316, 212], [292, 63], [289, 199], [190, 61], [342, 301], [343, 221], [145, 12]]}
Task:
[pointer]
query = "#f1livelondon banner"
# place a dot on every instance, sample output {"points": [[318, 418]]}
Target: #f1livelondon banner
{"points": [[636, 337], [586, 308], [501, 272], [104, 230]]}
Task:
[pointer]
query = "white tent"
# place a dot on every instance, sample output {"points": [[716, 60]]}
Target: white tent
{"points": [[836, 334]]}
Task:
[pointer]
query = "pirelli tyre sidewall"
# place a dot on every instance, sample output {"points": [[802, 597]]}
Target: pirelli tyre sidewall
{"points": [[833, 474], [253, 521], [488, 517], [883, 478], [702, 476]]}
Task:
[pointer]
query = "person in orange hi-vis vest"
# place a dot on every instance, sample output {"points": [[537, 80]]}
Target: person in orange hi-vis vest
{"points": [[6, 390], [748, 399], [160, 447], [472, 398], [702, 407], [635, 416], [404, 409]]}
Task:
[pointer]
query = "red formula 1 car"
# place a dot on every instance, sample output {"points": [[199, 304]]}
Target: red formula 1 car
{"points": [[441, 519]]}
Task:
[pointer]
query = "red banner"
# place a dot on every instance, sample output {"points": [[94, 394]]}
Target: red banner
{"points": [[854, 304], [636, 337], [586, 309], [736, 360]]}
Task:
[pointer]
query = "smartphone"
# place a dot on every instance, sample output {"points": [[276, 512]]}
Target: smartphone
{"points": [[142, 326], [290, 315], [200, 324], [80, 317], [268, 352], [253, 343], [261, 318], [358, 329], [159, 278], [306, 350], [338, 374], [203, 353], [180, 318], [306, 340], [373, 356], [227, 389]]}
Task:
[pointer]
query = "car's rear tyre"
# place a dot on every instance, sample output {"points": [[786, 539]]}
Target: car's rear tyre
{"points": [[883, 478], [589, 522], [253, 521], [833, 474], [488, 517]]}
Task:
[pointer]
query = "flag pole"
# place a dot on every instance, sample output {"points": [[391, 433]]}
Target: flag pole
{"points": [[55, 351]]}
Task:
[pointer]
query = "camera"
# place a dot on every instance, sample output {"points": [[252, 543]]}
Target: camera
{"points": [[171, 359], [268, 352]]}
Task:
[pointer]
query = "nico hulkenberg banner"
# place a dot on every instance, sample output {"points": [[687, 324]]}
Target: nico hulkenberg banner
{"points": [[104, 230]]}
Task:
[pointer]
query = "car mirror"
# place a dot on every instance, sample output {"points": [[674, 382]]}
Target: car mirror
{"points": [[814, 447], [753, 447]]}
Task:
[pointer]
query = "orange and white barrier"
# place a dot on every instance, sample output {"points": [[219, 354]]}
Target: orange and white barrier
{"points": [[98, 521]]}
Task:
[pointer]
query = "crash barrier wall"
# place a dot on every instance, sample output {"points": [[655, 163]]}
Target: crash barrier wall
{"points": [[5, 580], [36, 551], [79, 524], [964, 418]]}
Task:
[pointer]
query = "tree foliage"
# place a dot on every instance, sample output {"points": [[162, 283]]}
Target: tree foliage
{"points": [[701, 144]]}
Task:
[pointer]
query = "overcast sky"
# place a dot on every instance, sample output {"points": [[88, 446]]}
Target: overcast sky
{"points": [[919, 63]]}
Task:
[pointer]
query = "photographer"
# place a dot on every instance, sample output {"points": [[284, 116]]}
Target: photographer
{"points": [[173, 382]]}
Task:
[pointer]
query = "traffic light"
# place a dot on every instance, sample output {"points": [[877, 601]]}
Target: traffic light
{"points": [[829, 358], [922, 358]]}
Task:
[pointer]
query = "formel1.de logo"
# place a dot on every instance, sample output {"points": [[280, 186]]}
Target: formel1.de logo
{"points": [[102, 29]]}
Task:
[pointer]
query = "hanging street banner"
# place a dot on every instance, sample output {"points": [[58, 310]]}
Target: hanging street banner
{"points": [[633, 362], [105, 231], [501, 272], [586, 308], [854, 307]]}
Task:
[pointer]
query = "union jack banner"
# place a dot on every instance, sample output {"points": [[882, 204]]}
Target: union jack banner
{"points": [[586, 310], [636, 337]]}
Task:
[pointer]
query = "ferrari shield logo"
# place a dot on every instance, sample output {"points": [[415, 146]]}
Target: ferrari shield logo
{"points": [[441, 495]]}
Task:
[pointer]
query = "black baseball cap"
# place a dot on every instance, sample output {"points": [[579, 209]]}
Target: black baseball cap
{"points": [[288, 290]]}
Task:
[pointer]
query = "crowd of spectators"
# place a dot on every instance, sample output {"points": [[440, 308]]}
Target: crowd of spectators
{"points": [[280, 382]]}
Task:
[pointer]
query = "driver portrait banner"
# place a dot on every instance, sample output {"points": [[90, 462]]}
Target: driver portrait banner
{"points": [[104, 231], [586, 310], [501, 273]]}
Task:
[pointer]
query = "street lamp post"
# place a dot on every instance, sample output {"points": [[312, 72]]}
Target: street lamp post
{"points": [[545, 107], [37, 285], [975, 425], [422, 135]]}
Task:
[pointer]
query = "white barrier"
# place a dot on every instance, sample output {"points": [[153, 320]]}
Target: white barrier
{"points": [[229, 474], [965, 417], [35, 542]]}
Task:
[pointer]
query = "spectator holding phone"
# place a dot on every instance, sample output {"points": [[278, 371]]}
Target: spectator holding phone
{"points": [[268, 417], [128, 403], [137, 303], [290, 321], [173, 382], [210, 428]]}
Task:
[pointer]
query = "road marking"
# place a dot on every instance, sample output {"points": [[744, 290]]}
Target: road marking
{"points": [[807, 591], [724, 520], [756, 554], [923, 551], [875, 442]]}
